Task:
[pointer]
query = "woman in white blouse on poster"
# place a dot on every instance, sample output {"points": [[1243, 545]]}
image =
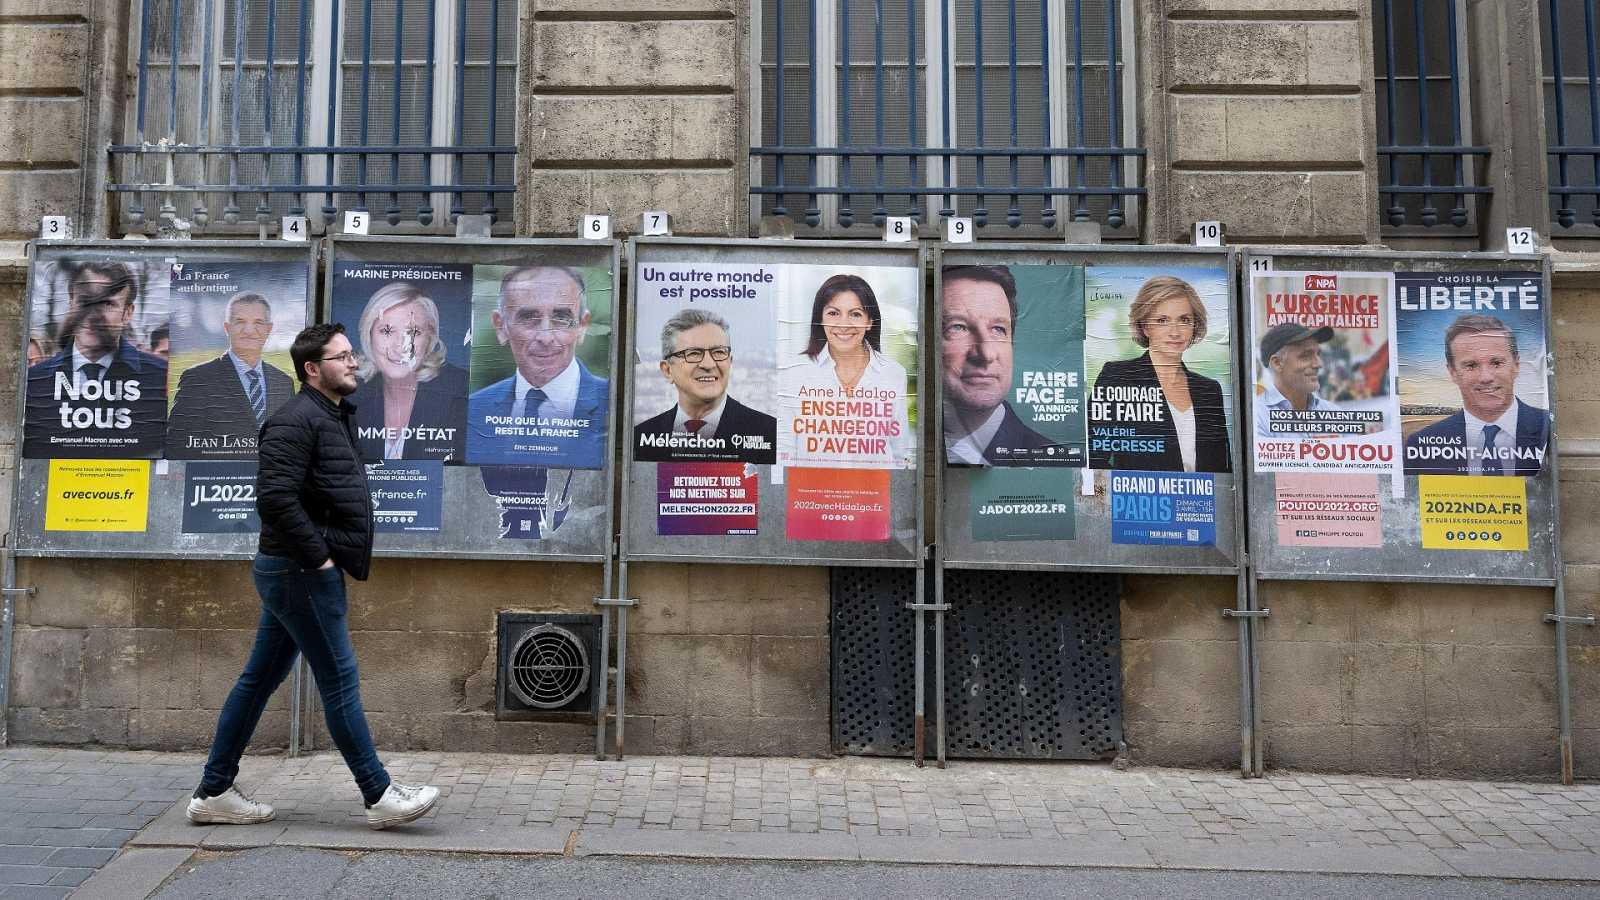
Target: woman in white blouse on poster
{"points": [[845, 363]]}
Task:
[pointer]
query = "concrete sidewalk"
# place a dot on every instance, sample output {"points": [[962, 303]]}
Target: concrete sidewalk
{"points": [[843, 809]]}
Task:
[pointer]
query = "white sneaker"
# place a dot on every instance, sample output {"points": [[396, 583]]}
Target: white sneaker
{"points": [[400, 804], [228, 808]]}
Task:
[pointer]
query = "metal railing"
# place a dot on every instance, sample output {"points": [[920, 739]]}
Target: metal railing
{"points": [[907, 136], [1575, 167], [1423, 114], [318, 104]]}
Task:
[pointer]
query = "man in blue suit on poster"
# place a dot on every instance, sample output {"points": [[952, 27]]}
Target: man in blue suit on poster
{"points": [[1494, 432], [552, 410]]}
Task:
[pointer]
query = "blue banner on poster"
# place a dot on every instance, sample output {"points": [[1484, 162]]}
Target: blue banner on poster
{"points": [[1163, 508], [219, 497], [406, 495]]}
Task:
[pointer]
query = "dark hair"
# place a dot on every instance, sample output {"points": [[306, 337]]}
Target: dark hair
{"points": [[308, 345], [120, 275], [833, 287], [996, 275], [1477, 324], [162, 333]]}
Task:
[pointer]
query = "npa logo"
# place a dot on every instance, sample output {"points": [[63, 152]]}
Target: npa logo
{"points": [[1322, 282]]}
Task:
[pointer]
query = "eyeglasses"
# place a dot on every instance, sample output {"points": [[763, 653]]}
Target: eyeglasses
{"points": [[346, 357], [1170, 322], [694, 355]]}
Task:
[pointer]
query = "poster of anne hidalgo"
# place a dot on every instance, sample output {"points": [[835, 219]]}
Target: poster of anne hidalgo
{"points": [[1322, 347], [97, 370]]}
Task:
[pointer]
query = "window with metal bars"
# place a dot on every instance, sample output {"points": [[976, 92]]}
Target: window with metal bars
{"points": [[1572, 113], [248, 110], [1014, 112], [1431, 183]]}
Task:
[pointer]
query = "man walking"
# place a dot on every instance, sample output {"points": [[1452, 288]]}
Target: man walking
{"points": [[316, 525]]}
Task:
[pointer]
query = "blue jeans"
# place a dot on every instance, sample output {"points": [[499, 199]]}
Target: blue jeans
{"points": [[301, 612]]}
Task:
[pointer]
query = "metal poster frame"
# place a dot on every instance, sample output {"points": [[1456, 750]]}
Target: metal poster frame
{"points": [[466, 478], [1035, 555], [906, 487], [167, 476], [1397, 563], [1543, 489]]}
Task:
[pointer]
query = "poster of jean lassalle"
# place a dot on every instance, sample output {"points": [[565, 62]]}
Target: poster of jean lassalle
{"points": [[847, 366], [232, 325], [1157, 353]]}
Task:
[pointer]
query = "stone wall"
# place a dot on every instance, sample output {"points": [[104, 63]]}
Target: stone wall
{"points": [[634, 105], [1265, 119], [53, 92]]}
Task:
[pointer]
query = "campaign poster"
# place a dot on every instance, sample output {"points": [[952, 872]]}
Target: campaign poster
{"points": [[1328, 510], [1473, 370], [232, 325], [705, 371], [97, 357], [1473, 512], [408, 325], [541, 366], [533, 503], [1023, 505], [97, 495], [1011, 360], [407, 496], [1158, 358], [1322, 345], [847, 366], [707, 499], [219, 497], [1164, 509], [837, 505]]}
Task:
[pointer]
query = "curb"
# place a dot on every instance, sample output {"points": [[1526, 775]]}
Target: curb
{"points": [[170, 840]]}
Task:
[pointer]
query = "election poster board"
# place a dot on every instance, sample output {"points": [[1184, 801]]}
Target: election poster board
{"points": [[1087, 405], [485, 372], [192, 342], [773, 405], [138, 422], [1401, 417]]}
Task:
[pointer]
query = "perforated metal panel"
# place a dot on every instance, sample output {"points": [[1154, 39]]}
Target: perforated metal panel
{"points": [[1033, 663]]}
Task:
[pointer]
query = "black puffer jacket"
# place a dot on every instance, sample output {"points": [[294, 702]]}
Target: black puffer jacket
{"points": [[311, 488]]}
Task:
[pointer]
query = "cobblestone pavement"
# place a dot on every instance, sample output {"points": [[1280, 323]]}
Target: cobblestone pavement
{"points": [[64, 813], [973, 800], [67, 811]]}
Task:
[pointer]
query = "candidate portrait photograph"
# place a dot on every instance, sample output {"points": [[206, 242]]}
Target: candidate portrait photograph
{"points": [[412, 402], [219, 405], [976, 355], [698, 355], [1166, 319], [1492, 431], [541, 403], [97, 394]]}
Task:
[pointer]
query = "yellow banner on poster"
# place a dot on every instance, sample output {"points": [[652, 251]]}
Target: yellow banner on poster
{"points": [[1473, 512], [97, 495]]}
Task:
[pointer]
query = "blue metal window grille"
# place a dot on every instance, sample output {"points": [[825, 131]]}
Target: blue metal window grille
{"points": [[247, 110], [1013, 111], [1572, 112], [1427, 168]]}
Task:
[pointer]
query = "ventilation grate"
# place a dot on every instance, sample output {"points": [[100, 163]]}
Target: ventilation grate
{"points": [[1033, 664], [549, 667]]}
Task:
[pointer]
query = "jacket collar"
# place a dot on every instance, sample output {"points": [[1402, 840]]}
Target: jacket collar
{"points": [[343, 407]]}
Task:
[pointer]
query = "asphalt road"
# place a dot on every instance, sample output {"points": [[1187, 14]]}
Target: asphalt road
{"points": [[303, 873]]}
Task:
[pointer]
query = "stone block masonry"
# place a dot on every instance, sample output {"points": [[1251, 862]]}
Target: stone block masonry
{"points": [[630, 107], [1265, 120]]}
